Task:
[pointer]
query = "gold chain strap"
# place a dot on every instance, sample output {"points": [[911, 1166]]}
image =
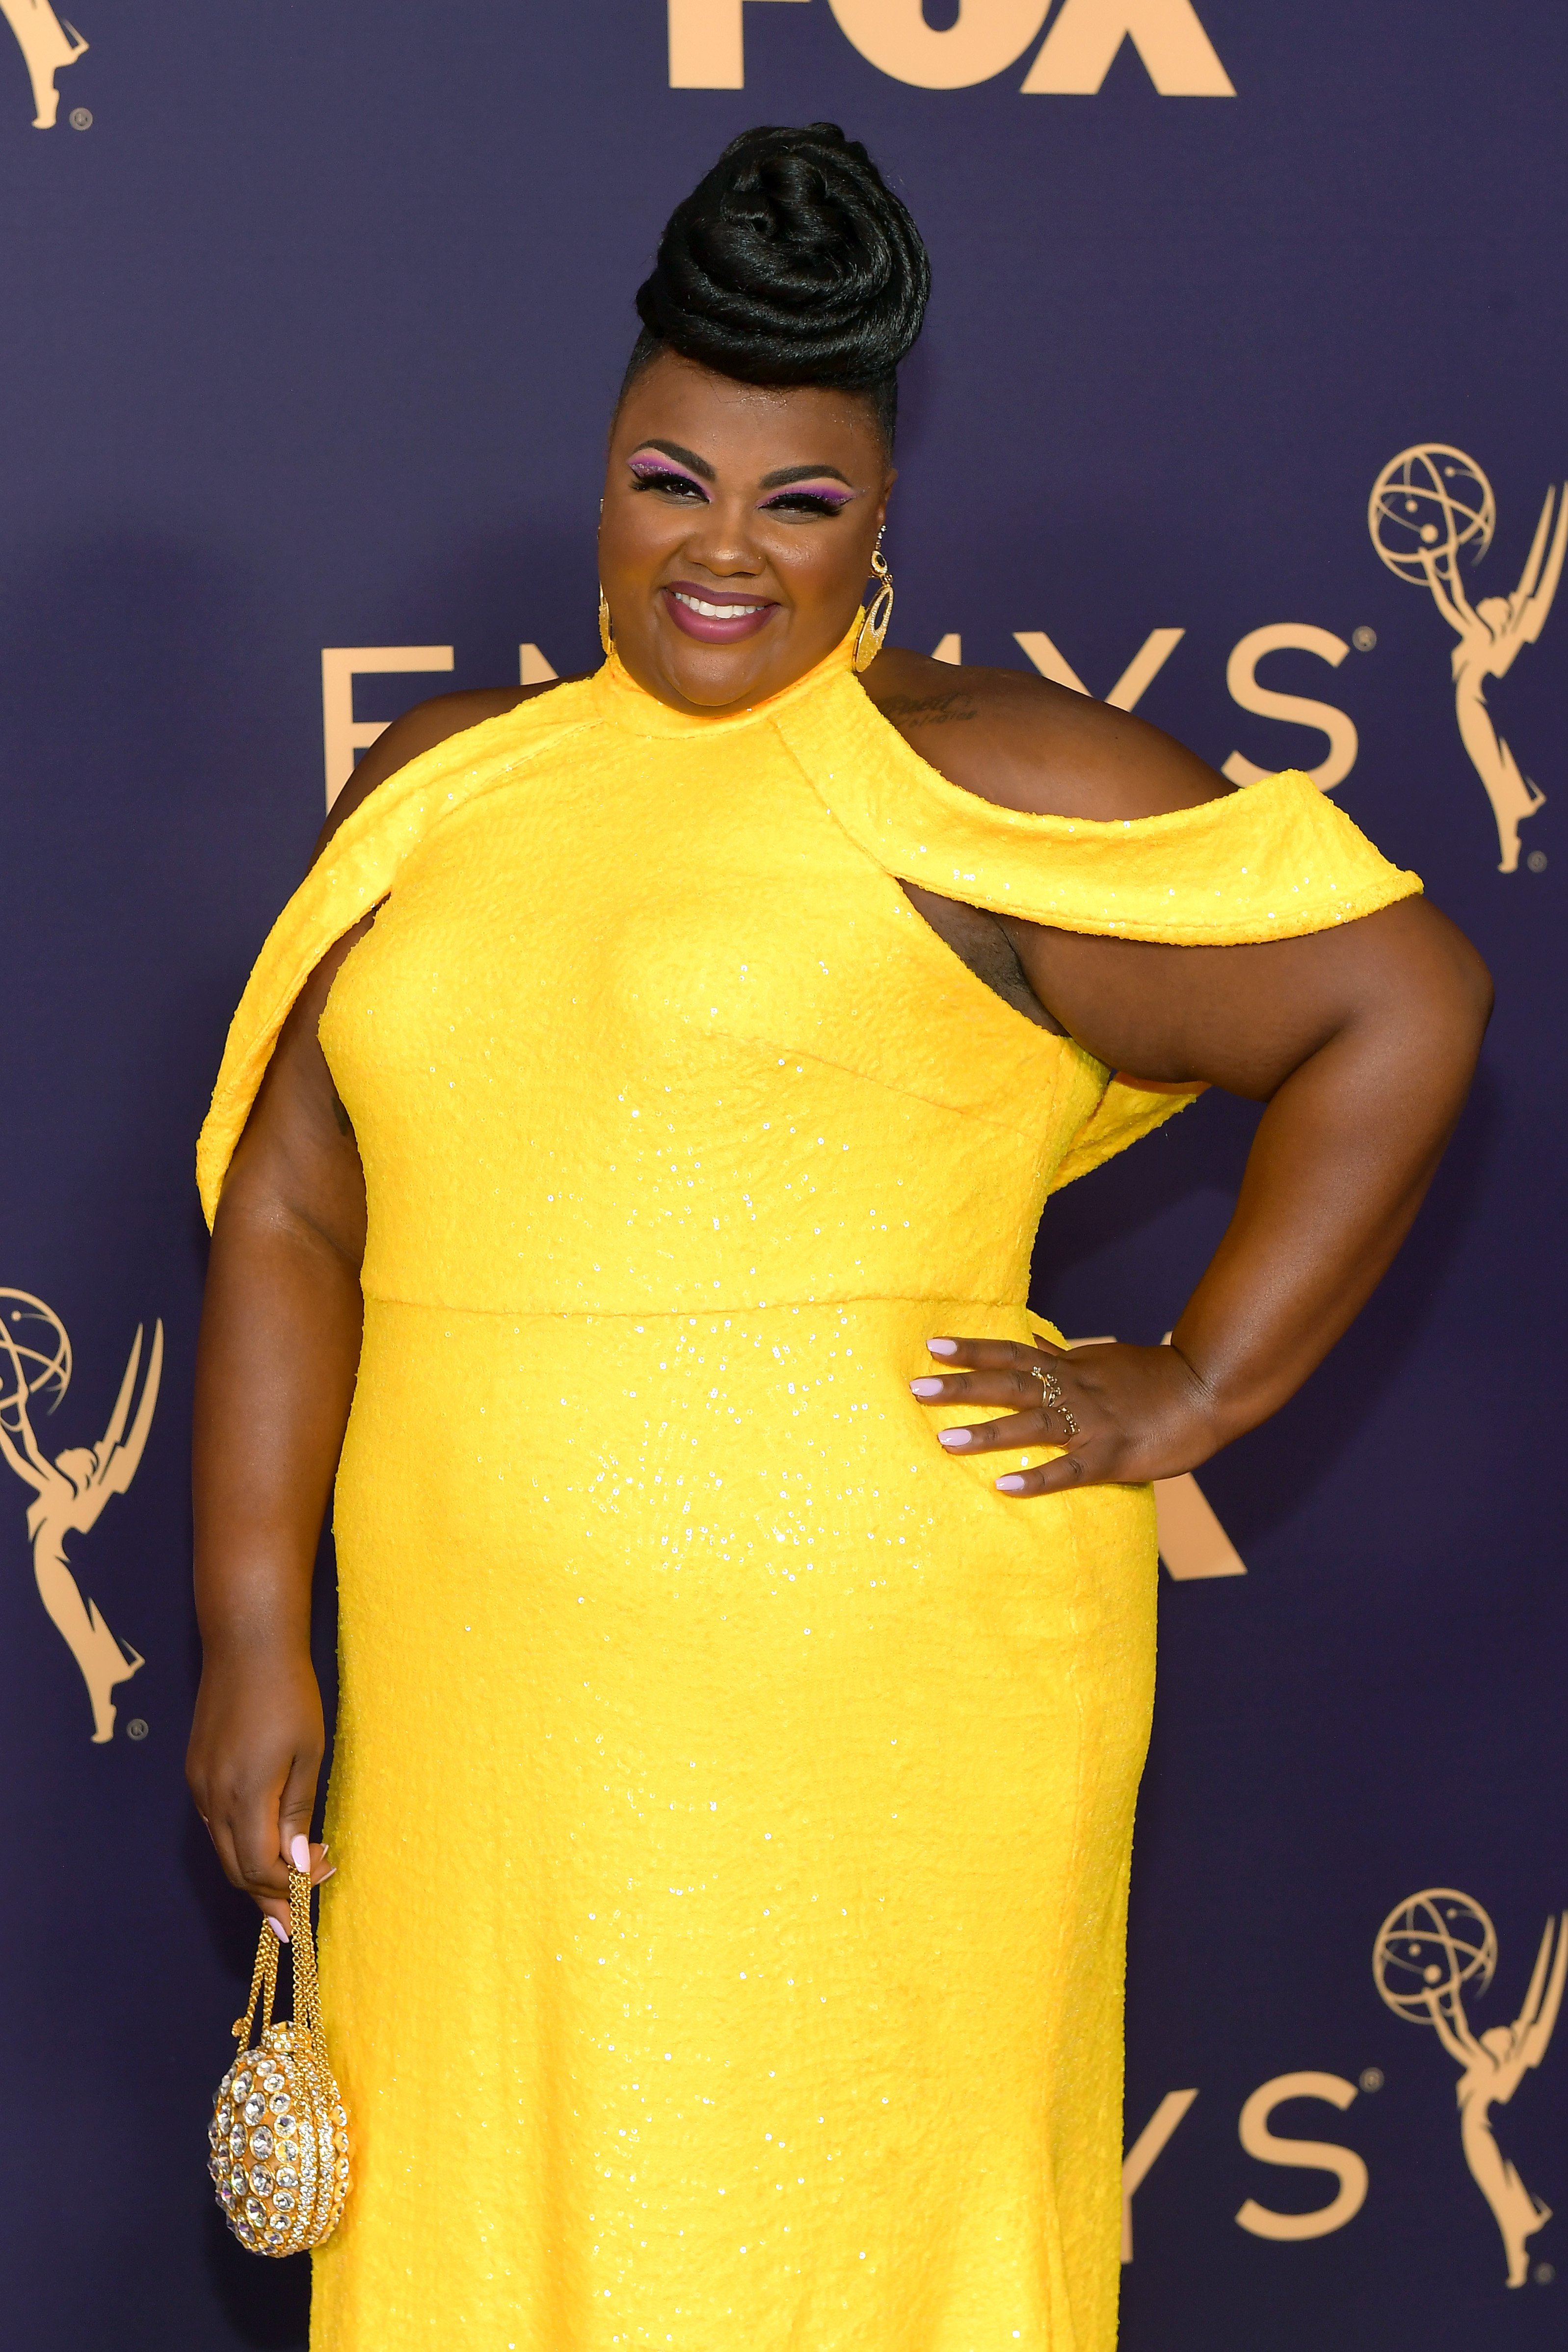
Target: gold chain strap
{"points": [[264, 1976], [307, 1992]]}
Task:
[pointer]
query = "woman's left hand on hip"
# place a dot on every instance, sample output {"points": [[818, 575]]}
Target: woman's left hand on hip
{"points": [[1121, 1414]]}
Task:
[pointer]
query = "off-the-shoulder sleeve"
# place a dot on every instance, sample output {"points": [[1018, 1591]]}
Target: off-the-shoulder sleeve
{"points": [[1273, 861], [354, 873]]}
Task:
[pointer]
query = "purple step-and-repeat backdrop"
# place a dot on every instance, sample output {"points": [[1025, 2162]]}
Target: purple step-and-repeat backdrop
{"points": [[1241, 403]]}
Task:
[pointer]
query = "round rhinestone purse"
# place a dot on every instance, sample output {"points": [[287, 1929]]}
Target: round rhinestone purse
{"points": [[280, 2136]]}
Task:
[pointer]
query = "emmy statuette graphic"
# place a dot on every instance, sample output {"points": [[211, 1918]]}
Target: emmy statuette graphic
{"points": [[1426, 504], [71, 1491], [47, 44], [1427, 1949]]}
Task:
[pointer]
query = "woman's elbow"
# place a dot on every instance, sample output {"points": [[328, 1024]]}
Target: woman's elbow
{"points": [[1473, 992]]}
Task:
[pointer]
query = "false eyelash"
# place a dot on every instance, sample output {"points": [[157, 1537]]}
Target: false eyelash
{"points": [[807, 502], [650, 478]]}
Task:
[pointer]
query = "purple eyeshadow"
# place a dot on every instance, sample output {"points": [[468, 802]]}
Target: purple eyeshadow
{"points": [[649, 469]]}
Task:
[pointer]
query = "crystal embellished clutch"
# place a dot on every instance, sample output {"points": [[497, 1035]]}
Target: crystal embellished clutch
{"points": [[279, 2136]]}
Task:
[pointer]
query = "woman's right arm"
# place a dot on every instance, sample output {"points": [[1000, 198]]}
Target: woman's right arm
{"points": [[275, 1376]]}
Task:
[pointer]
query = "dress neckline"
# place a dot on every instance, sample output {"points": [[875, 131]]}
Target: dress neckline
{"points": [[618, 698]]}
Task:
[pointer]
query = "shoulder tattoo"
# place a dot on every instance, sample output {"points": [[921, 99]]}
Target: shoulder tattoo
{"points": [[931, 709]]}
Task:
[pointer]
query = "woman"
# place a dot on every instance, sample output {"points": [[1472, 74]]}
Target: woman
{"points": [[641, 1117]]}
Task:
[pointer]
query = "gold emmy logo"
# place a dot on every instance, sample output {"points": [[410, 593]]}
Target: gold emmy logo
{"points": [[1427, 1950], [1427, 505], [71, 1491], [47, 44]]}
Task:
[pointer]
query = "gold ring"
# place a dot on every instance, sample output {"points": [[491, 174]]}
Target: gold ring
{"points": [[1051, 1399]]}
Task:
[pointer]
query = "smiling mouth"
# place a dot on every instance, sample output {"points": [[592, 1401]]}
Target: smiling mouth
{"points": [[714, 617], [714, 612]]}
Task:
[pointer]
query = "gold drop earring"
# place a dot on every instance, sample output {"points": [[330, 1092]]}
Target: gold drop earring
{"points": [[872, 633], [606, 635]]}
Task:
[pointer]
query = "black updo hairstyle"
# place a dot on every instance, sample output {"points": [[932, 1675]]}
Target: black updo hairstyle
{"points": [[790, 262]]}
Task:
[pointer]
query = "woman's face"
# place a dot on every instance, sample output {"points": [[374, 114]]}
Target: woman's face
{"points": [[737, 531]]}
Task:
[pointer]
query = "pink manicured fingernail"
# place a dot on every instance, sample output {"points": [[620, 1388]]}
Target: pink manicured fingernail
{"points": [[942, 1346], [326, 1875], [1012, 1484], [299, 1854], [281, 1933], [955, 1437], [926, 1388]]}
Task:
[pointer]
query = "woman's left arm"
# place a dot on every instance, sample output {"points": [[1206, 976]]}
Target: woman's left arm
{"points": [[1362, 1041]]}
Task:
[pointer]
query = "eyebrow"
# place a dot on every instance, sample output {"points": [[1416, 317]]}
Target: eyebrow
{"points": [[803, 474], [681, 457], [775, 481]]}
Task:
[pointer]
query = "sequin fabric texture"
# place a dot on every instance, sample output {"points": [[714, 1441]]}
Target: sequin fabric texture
{"points": [[734, 1793]]}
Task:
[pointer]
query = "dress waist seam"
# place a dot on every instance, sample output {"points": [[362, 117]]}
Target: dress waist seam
{"points": [[690, 1314]]}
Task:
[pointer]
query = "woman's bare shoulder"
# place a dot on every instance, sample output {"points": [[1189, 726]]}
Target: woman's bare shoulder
{"points": [[417, 732], [1026, 743]]}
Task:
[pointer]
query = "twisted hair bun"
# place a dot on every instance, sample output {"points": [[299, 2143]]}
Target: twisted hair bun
{"points": [[792, 262]]}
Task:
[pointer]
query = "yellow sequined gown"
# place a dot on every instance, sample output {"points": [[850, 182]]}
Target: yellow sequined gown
{"points": [[734, 1793]]}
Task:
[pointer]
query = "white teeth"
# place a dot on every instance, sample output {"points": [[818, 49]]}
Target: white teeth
{"points": [[714, 612]]}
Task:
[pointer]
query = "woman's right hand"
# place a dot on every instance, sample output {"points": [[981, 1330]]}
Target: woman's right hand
{"points": [[252, 1766]]}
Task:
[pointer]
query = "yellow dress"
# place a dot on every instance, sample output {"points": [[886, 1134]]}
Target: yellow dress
{"points": [[733, 1792]]}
